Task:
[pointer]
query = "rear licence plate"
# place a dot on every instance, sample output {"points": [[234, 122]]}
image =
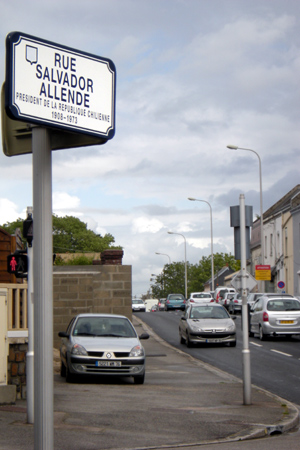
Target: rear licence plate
{"points": [[108, 363], [287, 321]]}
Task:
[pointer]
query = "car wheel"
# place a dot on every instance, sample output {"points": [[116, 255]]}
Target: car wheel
{"points": [[262, 335], [69, 376], [232, 344], [182, 341], [62, 369], [188, 342], [139, 379]]}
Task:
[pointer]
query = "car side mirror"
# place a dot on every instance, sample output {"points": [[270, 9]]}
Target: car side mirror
{"points": [[144, 336], [183, 318], [63, 334], [233, 317]]}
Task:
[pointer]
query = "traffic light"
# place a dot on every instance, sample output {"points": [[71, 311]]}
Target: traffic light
{"points": [[17, 264], [28, 229]]}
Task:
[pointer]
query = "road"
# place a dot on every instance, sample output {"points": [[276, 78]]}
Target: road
{"points": [[275, 363]]}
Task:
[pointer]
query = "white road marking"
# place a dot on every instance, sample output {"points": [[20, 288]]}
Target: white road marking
{"points": [[257, 345], [281, 353]]}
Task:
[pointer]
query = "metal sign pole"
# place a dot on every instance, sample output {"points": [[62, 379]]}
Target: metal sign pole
{"points": [[43, 290], [30, 353], [246, 351]]}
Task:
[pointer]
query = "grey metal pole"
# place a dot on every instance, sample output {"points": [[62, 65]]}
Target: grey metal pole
{"points": [[211, 240], [43, 290], [246, 351], [30, 320]]}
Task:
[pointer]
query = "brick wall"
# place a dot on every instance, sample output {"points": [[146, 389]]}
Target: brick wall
{"points": [[95, 289]]}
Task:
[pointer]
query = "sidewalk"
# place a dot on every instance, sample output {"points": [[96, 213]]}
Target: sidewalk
{"points": [[183, 402]]}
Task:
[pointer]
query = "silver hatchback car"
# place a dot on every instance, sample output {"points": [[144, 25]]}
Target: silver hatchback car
{"points": [[102, 344], [275, 316]]}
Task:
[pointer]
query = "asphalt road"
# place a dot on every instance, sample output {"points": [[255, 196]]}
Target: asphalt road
{"points": [[275, 363]]}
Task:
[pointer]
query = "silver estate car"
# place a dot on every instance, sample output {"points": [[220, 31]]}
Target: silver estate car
{"points": [[275, 316], [102, 344], [207, 323]]}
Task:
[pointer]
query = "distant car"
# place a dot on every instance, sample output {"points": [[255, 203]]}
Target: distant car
{"points": [[209, 323], [253, 296], [161, 304], [224, 301], [275, 316], [175, 301], [221, 291], [235, 304], [154, 308], [102, 344], [138, 305], [199, 297]]}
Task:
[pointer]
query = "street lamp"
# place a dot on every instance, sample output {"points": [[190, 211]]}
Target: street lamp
{"points": [[211, 241], [164, 255], [185, 267], [234, 147]]}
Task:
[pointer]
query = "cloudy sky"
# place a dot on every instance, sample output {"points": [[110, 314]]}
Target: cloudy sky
{"points": [[192, 77]]}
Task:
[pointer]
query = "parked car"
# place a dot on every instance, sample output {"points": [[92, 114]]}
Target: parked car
{"points": [[275, 316], [175, 301], [224, 301], [102, 344], [154, 308], [199, 297], [161, 304], [138, 305], [235, 304], [209, 323]]}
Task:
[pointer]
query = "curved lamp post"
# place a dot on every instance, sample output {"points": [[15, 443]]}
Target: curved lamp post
{"points": [[234, 147], [185, 267], [211, 241], [164, 254]]}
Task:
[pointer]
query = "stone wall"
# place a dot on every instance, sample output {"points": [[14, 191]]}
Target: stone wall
{"points": [[16, 368], [89, 289]]}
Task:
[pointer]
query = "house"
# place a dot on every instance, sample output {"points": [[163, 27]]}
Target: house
{"points": [[281, 243], [219, 278]]}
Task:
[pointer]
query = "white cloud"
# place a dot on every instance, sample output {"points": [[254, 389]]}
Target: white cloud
{"points": [[191, 79]]}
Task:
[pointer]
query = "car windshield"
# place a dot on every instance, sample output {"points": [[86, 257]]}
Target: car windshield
{"points": [[283, 305], [137, 302], [103, 326], [208, 312]]}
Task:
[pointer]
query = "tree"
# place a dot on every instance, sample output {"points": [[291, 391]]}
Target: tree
{"points": [[172, 277], [71, 235]]}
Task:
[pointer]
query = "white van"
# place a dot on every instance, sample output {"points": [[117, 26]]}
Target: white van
{"points": [[149, 302], [221, 291]]}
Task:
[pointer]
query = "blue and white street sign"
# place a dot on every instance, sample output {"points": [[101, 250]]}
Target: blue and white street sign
{"points": [[52, 85]]}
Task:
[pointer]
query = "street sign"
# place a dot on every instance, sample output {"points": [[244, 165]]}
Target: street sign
{"points": [[17, 135], [56, 86], [281, 284], [237, 281], [263, 272]]}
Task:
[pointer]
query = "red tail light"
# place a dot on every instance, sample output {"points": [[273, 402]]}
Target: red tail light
{"points": [[168, 301], [235, 301], [192, 301], [184, 300], [212, 300], [265, 317]]}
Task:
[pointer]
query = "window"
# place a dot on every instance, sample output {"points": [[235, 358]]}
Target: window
{"points": [[271, 244]]}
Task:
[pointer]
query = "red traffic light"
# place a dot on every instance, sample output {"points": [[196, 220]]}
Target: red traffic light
{"points": [[17, 264]]}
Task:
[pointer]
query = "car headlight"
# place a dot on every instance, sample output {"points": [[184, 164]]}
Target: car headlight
{"points": [[79, 350], [195, 327], [137, 351], [230, 327]]}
